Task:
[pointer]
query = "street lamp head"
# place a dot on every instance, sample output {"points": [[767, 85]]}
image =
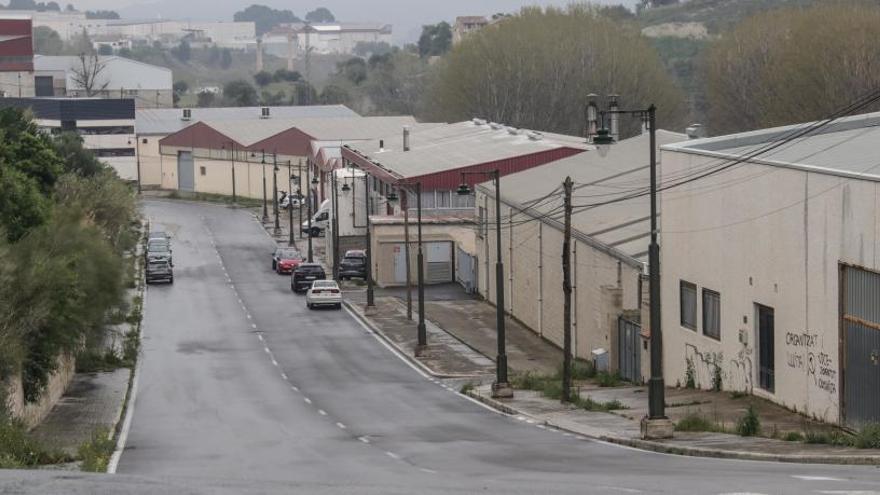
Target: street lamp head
{"points": [[345, 187], [463, 190], [315, 180], [392, 197], [603, 141]]}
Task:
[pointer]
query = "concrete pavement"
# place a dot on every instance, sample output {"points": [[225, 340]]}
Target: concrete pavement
{"points": [[242, 389]]}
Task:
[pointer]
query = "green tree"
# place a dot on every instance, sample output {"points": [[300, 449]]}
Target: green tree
{"points": [[436, 39], [353, 69], [303, 94], [368, 48], [286, 75], [182, 51], [47, 41], [334, 95], [792, 65], [206, 99], [214, 55], [75, 158], [265, 18], [263, 78], [319, 15], [240, 93], [519, 72]]}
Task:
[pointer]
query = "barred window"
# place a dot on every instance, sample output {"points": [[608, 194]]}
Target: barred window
{"points": [[711, 314], [688, 296]]}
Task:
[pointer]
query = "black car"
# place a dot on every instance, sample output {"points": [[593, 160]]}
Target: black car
{"points": [[353, 265], [305, 274], [159, 270]]}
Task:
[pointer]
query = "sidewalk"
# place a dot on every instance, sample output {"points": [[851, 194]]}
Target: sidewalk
{"points": [[470, 324]]}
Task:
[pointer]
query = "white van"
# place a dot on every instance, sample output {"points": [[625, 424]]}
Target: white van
{"points": [[320, 220]]}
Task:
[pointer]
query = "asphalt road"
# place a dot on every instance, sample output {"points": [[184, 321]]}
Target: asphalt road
{"points": [[243, 389]]}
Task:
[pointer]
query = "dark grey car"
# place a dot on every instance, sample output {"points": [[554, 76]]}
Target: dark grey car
{"points": [[159, 271]]}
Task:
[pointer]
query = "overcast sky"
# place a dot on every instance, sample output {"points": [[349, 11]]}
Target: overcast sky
{"points": [[407, 16]]}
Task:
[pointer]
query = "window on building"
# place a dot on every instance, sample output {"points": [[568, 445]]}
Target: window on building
{"points": [[202, 170], [688, 297], [463, 201], [444, 199], [428, 200], [711, 314], [481, 218], [144, 141]]}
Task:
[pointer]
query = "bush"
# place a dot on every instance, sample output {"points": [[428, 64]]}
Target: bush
{"points": [[793, 436], [834, 437], [696, 422], [95, 454], [868, 437], [17, 450], [606, 379], [591, 405], [749, 425], [95, 361], [466, 388]]}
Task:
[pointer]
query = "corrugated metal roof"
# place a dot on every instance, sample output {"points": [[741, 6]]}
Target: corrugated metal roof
{"points": [[847, 147], [168, 120], [458, 145], [118, 72], [622, 227]]}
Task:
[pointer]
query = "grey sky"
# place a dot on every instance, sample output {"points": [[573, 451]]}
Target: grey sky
{"points": [[407, 16]]}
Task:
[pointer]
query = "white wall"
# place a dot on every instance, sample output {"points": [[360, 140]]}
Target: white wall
{"points": [[773, 236]]}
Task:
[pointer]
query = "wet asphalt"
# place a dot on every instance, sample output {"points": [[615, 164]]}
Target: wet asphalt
{"points": [[241, 389]]}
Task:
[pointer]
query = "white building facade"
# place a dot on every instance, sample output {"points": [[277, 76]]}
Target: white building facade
{"points": [[771, 268]]}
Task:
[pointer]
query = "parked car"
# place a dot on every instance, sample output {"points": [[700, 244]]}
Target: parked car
{"points": [[305, 274], [159, 270], [284, 260], [324, 293], [353, 265], [158, 250], [158, 235], [287, 200], [320, 221]]}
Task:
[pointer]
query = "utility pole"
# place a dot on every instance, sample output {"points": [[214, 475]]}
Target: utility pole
{"points": [[405, 202], [420, 270], [370, 301], [335, 198], [277, 230], [300, 196], [309, 200], [290, 240], [265, 200], [566, 291]]}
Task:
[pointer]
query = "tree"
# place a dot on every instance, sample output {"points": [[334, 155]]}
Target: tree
{"points": [[269, 98], [435, 39], [519, 72], [319, 15], [263, 78], [265, 18], [240, 93], [334, 95], [179, 88], [102, 14], [303, 94], [353, 69], [87, 74], [206, 99], [47, 41], [368, 48], [286, 75], [792, 65], [182, 51], [226, 58]]}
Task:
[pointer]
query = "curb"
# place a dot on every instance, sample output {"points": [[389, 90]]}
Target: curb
{"points": [[683, 450], [378, 332]]}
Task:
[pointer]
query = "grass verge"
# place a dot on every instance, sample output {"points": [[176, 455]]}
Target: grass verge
{"points": [[95, 454], [18, 450]]}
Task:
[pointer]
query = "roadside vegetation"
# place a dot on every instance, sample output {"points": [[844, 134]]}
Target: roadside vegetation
{"points": [[67, 223], [550, 386], [95, 454]]}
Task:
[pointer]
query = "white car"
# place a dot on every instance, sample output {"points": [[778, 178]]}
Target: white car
{"points": [[324, 293]]}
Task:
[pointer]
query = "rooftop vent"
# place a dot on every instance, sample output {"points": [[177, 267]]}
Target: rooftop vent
{"points": [[513, 131], [535, 136], [496, 126], [406, 138], [694, 131], [187, 114], [381, 145], [479, 122], [264, 113]]}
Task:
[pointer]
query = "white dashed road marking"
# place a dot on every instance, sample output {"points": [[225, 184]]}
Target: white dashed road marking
{"points": [[816, 478], [322, 412], [340, 425], [392, 455], [308, 401]]}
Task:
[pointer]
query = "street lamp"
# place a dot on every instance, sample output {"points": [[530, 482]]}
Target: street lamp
{"points": [[277, 230], [290, 239], [309, 199], [420, 271], [265, 201], [232, 163], [501, 388], [656, 424]]}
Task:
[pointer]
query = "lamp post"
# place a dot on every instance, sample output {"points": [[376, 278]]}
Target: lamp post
{"points": [[290, 240], [308, 199], [299, 196], [370, 299], [265, 201], [501, 388], [656, 424], [420, 270], [277, 230]]}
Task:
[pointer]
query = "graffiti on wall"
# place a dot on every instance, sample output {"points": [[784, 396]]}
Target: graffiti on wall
{"points": [[801, 353]]}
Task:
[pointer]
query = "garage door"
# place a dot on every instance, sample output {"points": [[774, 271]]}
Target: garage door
{"points": [[438, 258], [861, 333], [185, 172]]}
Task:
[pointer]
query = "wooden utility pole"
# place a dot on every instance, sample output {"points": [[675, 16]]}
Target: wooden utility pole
{"points": [[405, 203], [566, 291]]}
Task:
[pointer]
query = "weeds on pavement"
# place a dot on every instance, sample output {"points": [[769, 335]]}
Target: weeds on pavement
{"points": [[18, 450], [749, 425], [95, 454], [697, 422]]}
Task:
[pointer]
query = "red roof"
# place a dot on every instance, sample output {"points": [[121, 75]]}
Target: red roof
{"points": [[16, 45]]}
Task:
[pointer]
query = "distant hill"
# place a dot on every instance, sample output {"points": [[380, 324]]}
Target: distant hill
{"points": [[715, 15]]}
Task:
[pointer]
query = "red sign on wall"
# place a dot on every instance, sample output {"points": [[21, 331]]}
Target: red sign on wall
{"points": [[16, 45]]}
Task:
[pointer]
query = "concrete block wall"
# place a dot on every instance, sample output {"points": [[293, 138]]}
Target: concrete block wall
{"points": [[32, 413]]}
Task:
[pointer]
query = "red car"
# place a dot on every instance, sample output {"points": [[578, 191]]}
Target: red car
{"points": [[284, 260]]}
